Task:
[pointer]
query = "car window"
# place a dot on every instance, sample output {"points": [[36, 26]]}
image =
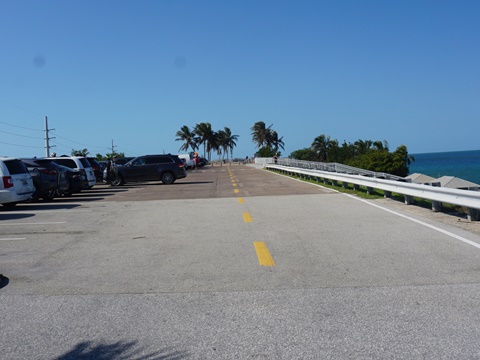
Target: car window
{"points": [[29, 162], [138, 162], [154, 160], [85, 162], [164, 159], [42, 162], [66, 162], [15, 167]]}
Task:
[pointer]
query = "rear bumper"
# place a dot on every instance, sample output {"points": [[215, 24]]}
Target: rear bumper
{"points": [[7, 196]]}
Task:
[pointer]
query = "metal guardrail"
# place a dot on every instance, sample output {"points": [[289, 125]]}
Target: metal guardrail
{"points": [[438, 195], [336, 167]]}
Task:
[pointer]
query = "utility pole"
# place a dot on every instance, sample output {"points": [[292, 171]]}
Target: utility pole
{"points": [[47, 138], [113, 149]]}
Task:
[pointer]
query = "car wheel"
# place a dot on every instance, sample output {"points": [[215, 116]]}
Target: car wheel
{"points": [[168, 178], [50, 196], [118, 181]]}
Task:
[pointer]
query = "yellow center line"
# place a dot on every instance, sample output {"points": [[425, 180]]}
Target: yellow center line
{"points": [[264, 257], [240, 200], [246, 217], [234, 184], [236, 191]]}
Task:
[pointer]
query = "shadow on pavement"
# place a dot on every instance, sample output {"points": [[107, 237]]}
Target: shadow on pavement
{"points": [[41, 206], [3, 281], [119, 350], [14, 216]]}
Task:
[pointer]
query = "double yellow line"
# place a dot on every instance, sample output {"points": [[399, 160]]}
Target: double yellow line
{"points": [[263, 255]]}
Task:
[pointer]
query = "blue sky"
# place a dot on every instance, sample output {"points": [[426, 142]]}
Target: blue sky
{"points": [[136, 71]]}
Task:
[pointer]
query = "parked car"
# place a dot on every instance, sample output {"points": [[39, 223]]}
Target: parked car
{"points": [[79, 163], [50, 179], [202, 162], [77, 180], [166, 168], [188, 160], [97, 168], [16, 182]]}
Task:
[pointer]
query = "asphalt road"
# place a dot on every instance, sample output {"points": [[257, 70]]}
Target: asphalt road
{"points": [[234, 262]]}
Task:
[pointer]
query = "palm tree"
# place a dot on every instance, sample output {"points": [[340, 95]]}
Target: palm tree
{"points": [[188, 137], [275, 141], [205, 134], [213, 144], [226, 141], [380, 145], [320, 146], [260, 134], [403, 153], [363, 146]]}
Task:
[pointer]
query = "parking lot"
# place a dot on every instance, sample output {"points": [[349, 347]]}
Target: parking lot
{"points": [[232, 262]]}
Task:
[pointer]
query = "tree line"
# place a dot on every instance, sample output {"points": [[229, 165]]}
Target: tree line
{"points": [[221, 141], [364, 154]]}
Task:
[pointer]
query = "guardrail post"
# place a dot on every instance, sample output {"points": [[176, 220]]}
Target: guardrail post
{"points": [[387, 194], [325, 181], [408, 200], [334, 182], [436, 206], [473, 214], [369, 190], [345, 184], [356, 187]]}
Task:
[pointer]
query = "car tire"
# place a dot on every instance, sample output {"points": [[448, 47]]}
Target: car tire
{"points": [[118, 181], [168, 178], [50, 196]]}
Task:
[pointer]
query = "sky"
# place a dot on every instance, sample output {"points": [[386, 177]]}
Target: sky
{"points": [[132, 73]]}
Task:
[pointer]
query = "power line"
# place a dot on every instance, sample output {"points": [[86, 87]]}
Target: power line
{"points": [[76, 142], [36, 147], [20, 127], [26, 136]]}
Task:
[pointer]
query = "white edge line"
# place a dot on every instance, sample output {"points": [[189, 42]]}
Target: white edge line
{"points": [[470, 242], [13, 239]]}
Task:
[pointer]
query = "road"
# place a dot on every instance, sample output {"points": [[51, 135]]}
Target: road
{"points": [[234, 262]]}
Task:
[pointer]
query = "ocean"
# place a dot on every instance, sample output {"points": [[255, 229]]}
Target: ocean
{"points": [[461, 164]]}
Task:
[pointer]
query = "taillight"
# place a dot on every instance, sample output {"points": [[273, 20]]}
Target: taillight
{"points": [[48, 172], [180, 165], [7, 182]]}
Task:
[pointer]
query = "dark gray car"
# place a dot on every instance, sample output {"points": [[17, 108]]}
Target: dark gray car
{"points": [[166, 168]]}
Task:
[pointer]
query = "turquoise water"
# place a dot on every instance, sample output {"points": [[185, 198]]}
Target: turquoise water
{"points": [[462, 164]]}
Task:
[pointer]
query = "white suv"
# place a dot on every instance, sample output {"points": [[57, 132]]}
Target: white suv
{"points": [[16, 184], [79, 163]]}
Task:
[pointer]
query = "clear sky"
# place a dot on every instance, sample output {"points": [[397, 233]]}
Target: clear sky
{"points": [[136, 71]]}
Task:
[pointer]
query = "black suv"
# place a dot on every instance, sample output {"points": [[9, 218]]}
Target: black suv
{"points": [[166, 168]]}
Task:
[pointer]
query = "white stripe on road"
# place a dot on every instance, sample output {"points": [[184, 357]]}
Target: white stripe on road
{"points": [[13, 239], [470, 242], [39, 223]]}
